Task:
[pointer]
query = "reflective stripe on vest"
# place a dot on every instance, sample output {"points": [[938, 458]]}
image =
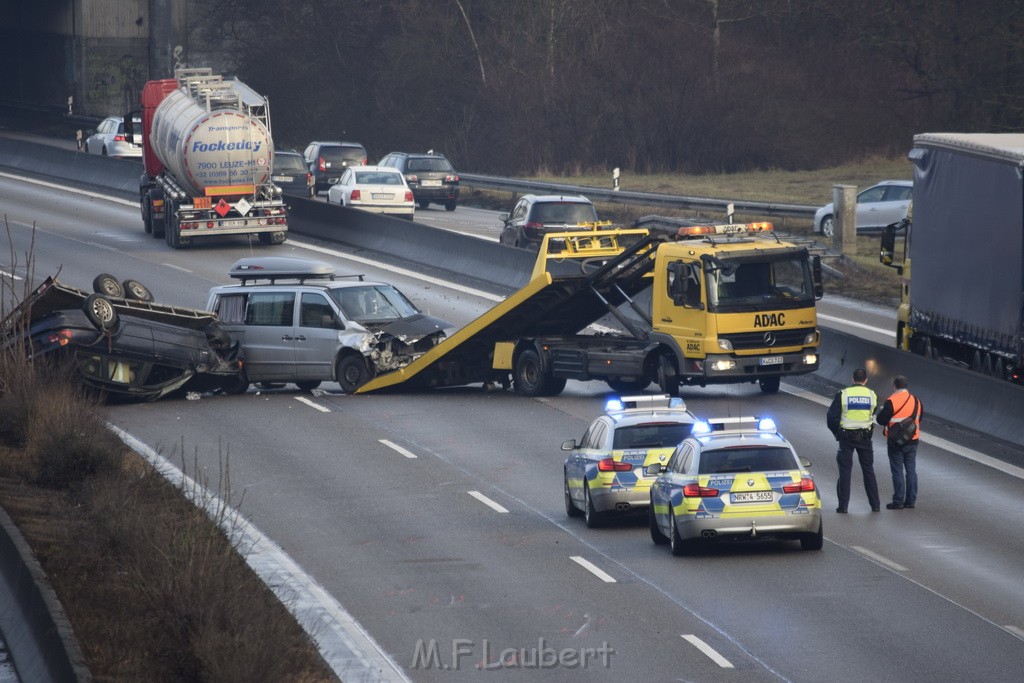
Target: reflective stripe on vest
{"points": [[858, 404], [904, 404]]}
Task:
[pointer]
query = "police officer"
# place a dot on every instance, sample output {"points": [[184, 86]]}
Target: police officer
{"points": [[850, 421]]}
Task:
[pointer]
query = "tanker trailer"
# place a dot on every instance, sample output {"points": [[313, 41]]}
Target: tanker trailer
{"points": [[208, 154]]}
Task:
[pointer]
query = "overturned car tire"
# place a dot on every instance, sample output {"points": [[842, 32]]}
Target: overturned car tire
{"points": [[100, 312], [107, 284], [135, 290]]}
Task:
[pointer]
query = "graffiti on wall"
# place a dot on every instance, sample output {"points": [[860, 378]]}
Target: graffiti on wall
{"points": [[113, 81]]}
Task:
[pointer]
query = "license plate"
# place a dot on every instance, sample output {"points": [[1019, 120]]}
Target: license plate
{"points": [[771, 360], [430, 183], [752, 497], [282, 179], [232, 224], [381, 195]]}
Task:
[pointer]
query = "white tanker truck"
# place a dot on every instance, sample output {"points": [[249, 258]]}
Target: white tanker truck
{"points": [[208, 156]]}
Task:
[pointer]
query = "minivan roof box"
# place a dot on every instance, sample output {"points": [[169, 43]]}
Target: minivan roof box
{"points": [[276, 268]]}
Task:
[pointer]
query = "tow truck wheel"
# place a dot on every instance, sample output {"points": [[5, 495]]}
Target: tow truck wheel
{"points": [[133, 289], [556, 385], [100, 312], [107, 284], [352, 373], [530, 379], [769, 385]]}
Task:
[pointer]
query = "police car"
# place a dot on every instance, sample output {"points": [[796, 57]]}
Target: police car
{"points": [[734, 479], [605, 472]]}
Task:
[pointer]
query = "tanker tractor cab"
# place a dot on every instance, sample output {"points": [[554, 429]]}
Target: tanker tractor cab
{"points": [[710, 305], [208, 158], [297, 321]]}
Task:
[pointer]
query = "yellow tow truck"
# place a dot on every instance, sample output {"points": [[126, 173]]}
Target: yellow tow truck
{"points": [[706, 305]]}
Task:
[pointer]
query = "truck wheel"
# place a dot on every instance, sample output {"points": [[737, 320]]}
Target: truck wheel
{"points": [[423, 203], [135, 290], [100, 312], [769, 385], [352, 373], [450, 206], [668, 378], [530, 379], [627, 386], [107, 284], [147, 219], [157, 226]]}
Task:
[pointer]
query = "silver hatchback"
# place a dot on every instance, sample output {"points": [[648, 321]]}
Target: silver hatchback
{"points": [[109, 139]]}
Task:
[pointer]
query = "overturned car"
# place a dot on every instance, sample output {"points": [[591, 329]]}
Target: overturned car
{"points": [[297, 321], [119, 341]]}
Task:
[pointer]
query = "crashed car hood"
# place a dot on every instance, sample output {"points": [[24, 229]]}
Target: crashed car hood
{"points": [[410, 329]]}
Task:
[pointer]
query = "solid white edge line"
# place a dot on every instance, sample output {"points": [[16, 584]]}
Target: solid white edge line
{"points": [[487, 501], [593, 569], [880, 559], [398, 448], [312, 404], [1015, 630], [708, 651], [938, 442], [12, 276], [74, 190], [345, 645], [862, 326]]}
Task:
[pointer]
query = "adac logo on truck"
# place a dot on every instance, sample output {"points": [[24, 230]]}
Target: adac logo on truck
{"points": [[770, 320], [220, 145]]}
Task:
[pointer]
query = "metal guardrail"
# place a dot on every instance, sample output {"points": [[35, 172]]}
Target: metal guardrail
{"points": [[602, 194]]}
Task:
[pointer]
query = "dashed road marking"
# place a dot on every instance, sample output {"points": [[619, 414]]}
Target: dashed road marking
{"points": [[593, 569], [398, 448], [312, 404], [487, 501], [708, 650]]}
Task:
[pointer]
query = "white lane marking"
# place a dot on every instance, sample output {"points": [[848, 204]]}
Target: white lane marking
{"points": [[12, 276], [73, 190], [863, 326], [487, 501], [312, 404], [593, 569], [1015, 630], [930, 439], [181, 268], [884, 561], [347, 647], [398, 448], [103, 246], [708, 650]]}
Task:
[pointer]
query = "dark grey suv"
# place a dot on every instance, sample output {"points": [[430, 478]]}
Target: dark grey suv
{"points": [[328, 160], [533, 216], [430, 176]]}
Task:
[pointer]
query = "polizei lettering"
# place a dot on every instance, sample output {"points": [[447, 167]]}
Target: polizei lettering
{"points": [[220, 146], [770, 320]]}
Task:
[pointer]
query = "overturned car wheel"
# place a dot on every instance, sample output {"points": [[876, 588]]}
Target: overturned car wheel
{"points": [[133, 289], [107, 284], [100, 312]]}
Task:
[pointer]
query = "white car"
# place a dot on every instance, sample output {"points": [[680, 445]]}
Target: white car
{"points": [[877, 206], [374, 188], [109, 139]]}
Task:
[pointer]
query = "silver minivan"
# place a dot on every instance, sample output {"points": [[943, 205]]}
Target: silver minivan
{"points": [[298, 322]]}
